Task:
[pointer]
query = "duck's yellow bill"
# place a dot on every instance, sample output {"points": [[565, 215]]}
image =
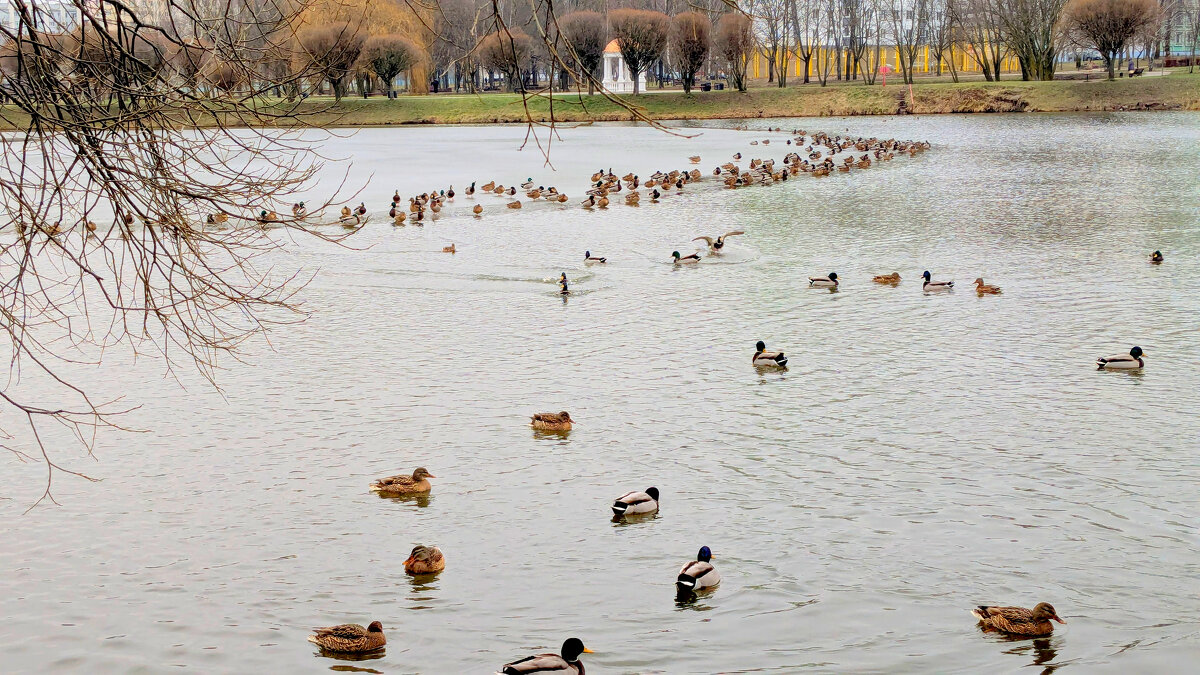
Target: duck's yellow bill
{"points": [[588, 651]]}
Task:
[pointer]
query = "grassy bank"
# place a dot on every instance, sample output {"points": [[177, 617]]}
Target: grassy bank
{"points": [[1177, 91], [1172, 92]]}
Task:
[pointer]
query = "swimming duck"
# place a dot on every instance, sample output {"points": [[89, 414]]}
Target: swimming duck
{"points": [[698, 573], [935, 285], [1156, 257], [566, 662], [478, 209], [424, 560], [449, 249], [632, 503], [417, 483], [1018, 620], [1130, 361], [349, 638], [985, 289], [217, 218], [560, 421], [589, 258], [684, 260], [762, 357], [893, 278], [830, 281]]}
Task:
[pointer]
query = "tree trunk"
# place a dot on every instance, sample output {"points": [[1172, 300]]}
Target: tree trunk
{"points": [[1109, 63], [636, 82]]}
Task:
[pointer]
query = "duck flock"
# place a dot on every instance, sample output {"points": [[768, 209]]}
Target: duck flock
{"points": [[816, 155]]}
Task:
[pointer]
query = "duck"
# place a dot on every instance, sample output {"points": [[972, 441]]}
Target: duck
{"points": [[471, 189], [1130, 361], [762, 357], [345, 210], [565, 662], [349, 638], [694, 159], [90, 225], [602, 202], [478, 209], [217, 218], [350, 221], [516, 204], [589, 202], [930, 285], [528, 184], [449, 249], [561, 198], [560, 421], [715, 245], [697, 574], [985, 289], [1018, 620], [400, 218], [633, 503], [830, 281], [511, 191], [1156, 257], [361, 210], [589, 258], [487, 187], [685, 260], [450, 194], [737, 156], [417, 483], [424, 560], [498, 190], [299, 210], [893, 278]]}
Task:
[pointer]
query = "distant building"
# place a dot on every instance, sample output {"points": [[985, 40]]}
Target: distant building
{"points": [[616, 77], [50, 15], [1177, 29]]}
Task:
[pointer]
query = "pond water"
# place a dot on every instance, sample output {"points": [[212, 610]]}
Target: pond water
{"points": [[922, 455]]}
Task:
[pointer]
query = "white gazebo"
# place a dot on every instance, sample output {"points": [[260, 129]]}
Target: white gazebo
{"points": [[616, 74]]}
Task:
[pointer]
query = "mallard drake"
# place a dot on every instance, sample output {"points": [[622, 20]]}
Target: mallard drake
{"points": [[471, 189], [985, 289], [893, 278], [361, 210], [684, 260], [511, 191], [589, 258], [560, 421], [633, 503], [762, 357], [349, 638], [527, 184], [1130, 361], [737, 156], [516, 204], [450, 193], [589, 202], [830, 281], [424, 560], [299, 210], [1156, 257], [487, 187], [478, 209], [654, 195], [715, 245], [351, 221], [417, 483], [931, 285], [567, 661], [217, 218], [449, 249], [697, 574], [1018, 620]]}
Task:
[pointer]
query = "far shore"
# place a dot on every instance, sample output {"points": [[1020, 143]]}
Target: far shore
{"points": [[1172, 91]]}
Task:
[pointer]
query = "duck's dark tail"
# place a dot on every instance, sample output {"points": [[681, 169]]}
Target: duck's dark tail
{"points": [[619, 508]]}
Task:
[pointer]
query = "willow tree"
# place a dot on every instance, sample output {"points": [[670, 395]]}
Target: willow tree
{"points": [[126, 133], [585, 36], [641, 35], [690, 33], [332, 51], [389, 55]]}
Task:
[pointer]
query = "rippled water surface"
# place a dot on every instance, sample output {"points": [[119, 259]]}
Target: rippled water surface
{"points": [[923, 454]]}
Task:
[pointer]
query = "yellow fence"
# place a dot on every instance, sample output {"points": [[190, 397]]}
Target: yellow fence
{"points": [[963, 61]]}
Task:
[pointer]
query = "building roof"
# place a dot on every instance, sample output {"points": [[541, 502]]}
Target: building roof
{"points": [[612, 48]]}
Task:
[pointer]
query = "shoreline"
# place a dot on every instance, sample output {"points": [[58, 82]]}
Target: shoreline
{"points": [[1171, 92]]}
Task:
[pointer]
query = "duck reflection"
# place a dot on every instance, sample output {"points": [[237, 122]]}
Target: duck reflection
{"points": [[1043, 649], [634, 519], [420, 500], [353, 656], [355, 669]]}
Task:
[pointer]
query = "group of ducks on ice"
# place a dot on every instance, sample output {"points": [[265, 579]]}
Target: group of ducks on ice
{"points": [[695, 577]]}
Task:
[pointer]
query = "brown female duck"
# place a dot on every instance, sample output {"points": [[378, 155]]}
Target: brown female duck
{"points": [[349, 638], [425, 560], [1018, 620], [417, 483], [560, 421]]}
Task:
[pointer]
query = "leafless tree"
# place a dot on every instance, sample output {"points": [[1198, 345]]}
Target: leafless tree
{"points": [[331, 51], [386, 56], [506, 52], [103, 232], [642, 36], [941, 36], [733, 41], [586, 35], [690, 33], [978, 25], [908, 19], [1109, 25], [1032, 29]]}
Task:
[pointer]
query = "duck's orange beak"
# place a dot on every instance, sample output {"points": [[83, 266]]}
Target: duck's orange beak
{"points": [[1058, 619], [429, 475], [409, 561], [588, 651]]}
